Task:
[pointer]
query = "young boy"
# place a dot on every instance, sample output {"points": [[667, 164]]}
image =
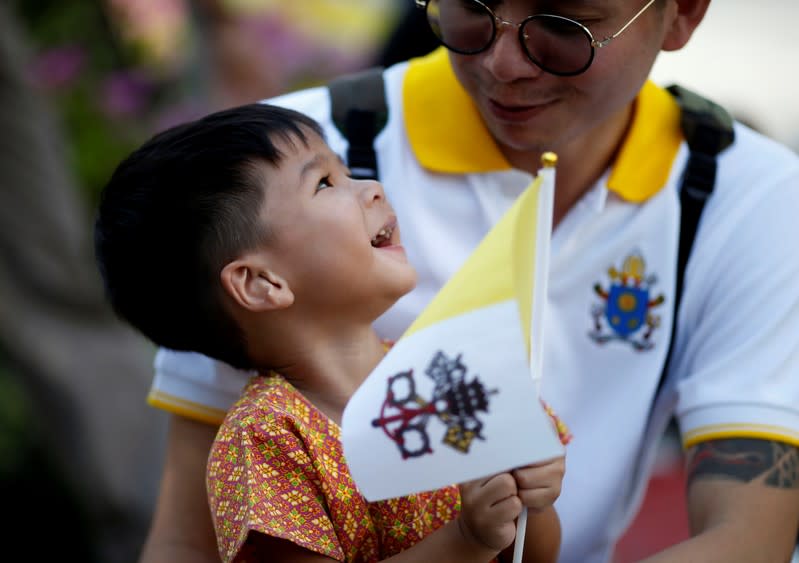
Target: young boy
{"points": [[242, 236]]}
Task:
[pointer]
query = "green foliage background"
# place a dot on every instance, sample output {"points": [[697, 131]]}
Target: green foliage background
{"points": [[95, 140]]}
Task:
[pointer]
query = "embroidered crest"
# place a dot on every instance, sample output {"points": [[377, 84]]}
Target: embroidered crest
{"points": [[456, 402], [625, 311]]}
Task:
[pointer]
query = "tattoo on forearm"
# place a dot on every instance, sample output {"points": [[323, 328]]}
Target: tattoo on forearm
{"points": [[745, 460]]}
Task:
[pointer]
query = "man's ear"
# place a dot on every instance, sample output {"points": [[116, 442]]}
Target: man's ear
{"points": [[685, 16], [255, 287]]}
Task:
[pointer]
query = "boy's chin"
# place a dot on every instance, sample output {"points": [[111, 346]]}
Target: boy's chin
{"points": [[401, 290], [408, 285]]}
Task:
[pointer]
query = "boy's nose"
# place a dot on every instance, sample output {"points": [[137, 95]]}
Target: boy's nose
{"points": [[371, 191]]}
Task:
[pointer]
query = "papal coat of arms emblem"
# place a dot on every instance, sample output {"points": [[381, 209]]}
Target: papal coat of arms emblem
{"points": [[456, 401], [625, 311]]}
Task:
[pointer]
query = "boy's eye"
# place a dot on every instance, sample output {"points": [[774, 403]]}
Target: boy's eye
{"points": [[324, 183]]}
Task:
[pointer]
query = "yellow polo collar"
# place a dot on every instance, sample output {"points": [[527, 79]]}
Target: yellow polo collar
{"points": [[447, 134]]}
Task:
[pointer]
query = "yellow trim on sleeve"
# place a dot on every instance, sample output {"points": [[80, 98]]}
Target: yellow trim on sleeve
{"points": [[188, 409], [726, 431]]}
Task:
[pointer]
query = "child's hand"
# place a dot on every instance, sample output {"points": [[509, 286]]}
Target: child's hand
{"points": [[489, 508], [539, 484]]}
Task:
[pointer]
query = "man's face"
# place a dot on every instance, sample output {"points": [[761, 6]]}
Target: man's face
{"points": [[529, 110]]}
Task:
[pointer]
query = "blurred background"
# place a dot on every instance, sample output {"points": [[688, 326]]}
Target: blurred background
{"points": [[84, 82]]}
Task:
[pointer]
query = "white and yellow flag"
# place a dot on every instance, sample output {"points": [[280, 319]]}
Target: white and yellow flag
{"points": [[456, 398]]}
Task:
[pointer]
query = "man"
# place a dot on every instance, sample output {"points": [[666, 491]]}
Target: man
{"points": [[465, 132]]}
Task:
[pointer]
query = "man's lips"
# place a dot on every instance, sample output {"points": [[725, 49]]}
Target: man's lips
{"points": [[517, 112]]}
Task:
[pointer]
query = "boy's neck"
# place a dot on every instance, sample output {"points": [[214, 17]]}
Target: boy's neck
{"points": [[326, 367]]}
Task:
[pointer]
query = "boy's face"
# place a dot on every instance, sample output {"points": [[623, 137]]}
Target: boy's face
{"points": [[334, 239], [527, 109]]}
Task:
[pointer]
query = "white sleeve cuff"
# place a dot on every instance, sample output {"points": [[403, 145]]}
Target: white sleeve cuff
{"points": [[194, 385], [725, 421]]}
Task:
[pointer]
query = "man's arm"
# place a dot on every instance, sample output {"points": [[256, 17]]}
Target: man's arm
{"points": [[181, 530], [743, 503]]}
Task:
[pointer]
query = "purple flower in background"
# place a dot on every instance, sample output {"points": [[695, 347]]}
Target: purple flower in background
{"points": [[124, 93], [280, 41], [58, 67], [179, 113]]}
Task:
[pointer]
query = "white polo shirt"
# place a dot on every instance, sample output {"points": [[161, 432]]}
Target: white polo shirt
{"points": [[611, 288]]}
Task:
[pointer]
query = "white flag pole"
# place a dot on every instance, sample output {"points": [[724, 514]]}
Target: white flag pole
{"points": [[546, 202]]}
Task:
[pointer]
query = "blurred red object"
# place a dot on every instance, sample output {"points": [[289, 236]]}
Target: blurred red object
{"points": [[663, 518]]}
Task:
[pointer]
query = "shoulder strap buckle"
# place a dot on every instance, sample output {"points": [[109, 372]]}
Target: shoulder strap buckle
{"points": [[359, 111]]}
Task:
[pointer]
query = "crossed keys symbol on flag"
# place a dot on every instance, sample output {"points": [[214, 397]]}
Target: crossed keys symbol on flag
{"points": [[456, 402]]}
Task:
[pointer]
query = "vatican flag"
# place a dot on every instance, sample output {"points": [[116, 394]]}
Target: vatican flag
{"points": [[456, 398]]}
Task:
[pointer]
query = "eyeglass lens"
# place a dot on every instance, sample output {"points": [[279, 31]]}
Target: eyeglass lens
{"points": [[556, 44]]}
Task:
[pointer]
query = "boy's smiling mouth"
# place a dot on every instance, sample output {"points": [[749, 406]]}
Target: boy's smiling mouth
{"points": [[383, 237]]}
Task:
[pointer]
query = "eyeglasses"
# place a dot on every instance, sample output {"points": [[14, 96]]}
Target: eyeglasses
{"points": [[556, 44]]}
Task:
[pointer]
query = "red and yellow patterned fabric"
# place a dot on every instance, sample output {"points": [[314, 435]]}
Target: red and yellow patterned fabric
{"points": [[564, 434], [277, 467]]}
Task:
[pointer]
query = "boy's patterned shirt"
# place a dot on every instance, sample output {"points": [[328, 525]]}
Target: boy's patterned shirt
{"points": [[277, 467]]}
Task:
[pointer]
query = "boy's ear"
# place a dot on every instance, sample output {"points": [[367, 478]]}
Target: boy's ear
{"points": [[254, 286], [685, 16]]}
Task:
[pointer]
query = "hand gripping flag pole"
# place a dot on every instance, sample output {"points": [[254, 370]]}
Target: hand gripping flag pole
{"points": [[549, 161]]}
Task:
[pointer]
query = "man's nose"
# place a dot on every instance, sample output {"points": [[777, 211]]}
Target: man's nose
{"points": [[506, 59]]}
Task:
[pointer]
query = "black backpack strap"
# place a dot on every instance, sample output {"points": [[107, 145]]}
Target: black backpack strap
{"points": [[708, 130], [358, 106]]}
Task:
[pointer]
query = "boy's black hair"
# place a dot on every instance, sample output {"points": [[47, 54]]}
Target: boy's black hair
{"points": [[176, 211]]}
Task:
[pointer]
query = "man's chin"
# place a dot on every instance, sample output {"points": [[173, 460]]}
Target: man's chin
{"points": [[519, 146]]}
